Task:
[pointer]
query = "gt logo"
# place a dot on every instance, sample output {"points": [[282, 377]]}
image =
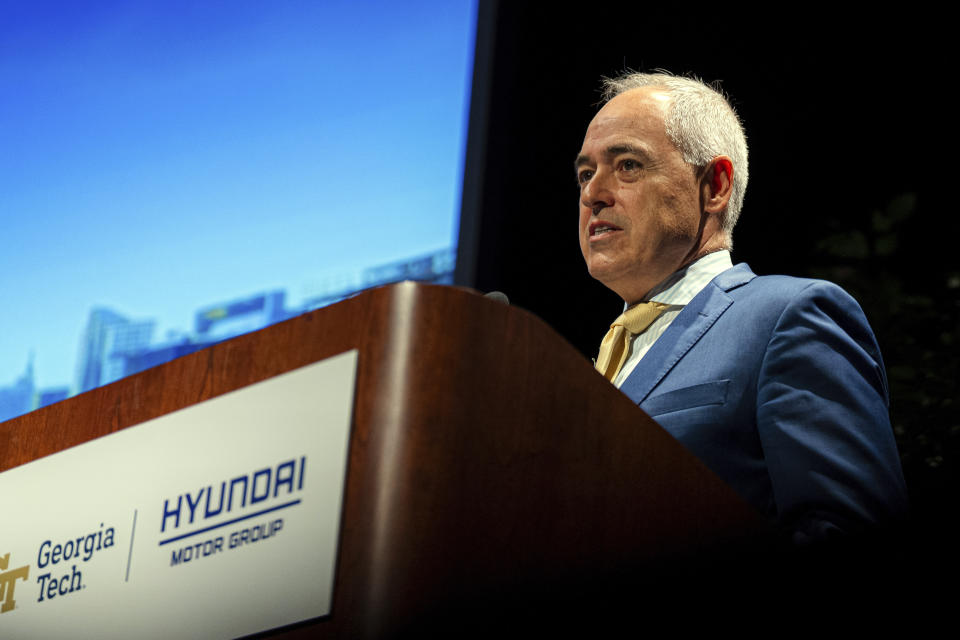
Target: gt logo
{"points": [[8, 580]]}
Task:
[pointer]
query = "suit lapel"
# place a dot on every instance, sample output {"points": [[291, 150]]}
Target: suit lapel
{"points": [[685, 331]]}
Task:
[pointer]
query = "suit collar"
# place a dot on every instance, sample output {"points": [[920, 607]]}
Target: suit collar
{"points": [[686, 329], [732, 278]]}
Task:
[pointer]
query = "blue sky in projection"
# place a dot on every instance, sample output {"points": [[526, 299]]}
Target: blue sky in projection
{"points": [[159, 156]]}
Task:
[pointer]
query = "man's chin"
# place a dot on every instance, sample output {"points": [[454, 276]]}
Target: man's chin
{"points": [[605, 268], [629, 287], [607, 276]]}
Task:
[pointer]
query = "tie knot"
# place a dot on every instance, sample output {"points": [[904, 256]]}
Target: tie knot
{"points": [[637, 318]]}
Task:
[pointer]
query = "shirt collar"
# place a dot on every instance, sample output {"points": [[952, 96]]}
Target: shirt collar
{"points": [[680, 287]]}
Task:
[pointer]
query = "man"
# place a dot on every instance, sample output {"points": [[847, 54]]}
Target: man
{"points": [[776, 383]]}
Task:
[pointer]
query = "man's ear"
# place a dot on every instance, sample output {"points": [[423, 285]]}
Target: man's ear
{"points": [[717, 184]]}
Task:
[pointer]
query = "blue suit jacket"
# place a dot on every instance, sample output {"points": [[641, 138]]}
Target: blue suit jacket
{"points": [[777, 384]]}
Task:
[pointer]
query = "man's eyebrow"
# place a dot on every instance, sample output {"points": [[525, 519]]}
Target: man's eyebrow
{"points": [[617, 149], [610, 151]]}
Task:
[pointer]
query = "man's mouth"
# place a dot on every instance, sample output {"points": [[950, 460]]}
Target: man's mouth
{"points": [[600, 228]]}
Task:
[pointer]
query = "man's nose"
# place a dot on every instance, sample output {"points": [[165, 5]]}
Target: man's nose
{"points": [[597, 194]]}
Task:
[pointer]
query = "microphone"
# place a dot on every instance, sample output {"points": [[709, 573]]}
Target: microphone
{"points": [[499, 296]]}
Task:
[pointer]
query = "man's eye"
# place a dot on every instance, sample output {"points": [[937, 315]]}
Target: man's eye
{"points": [[584, 177], [630, 165]]}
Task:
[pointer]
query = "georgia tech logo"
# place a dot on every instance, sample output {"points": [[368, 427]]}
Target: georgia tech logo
{"points": [[8, 580]]}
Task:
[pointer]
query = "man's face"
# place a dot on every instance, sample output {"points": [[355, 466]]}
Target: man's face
{"points": [[640, 209]]}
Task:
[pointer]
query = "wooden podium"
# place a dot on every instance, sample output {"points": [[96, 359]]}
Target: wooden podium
{"points": [[489, 463]]}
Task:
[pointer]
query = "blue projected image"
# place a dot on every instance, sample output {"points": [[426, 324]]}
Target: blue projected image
{"points": [[175, 173]]}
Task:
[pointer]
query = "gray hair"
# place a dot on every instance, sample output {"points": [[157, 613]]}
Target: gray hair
{"points": [[702, 125]]}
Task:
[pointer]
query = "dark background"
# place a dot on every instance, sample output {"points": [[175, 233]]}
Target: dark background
{"points": [[851, 163]]}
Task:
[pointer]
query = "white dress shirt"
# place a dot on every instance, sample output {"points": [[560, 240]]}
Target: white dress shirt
{"points": [[676, 291]]}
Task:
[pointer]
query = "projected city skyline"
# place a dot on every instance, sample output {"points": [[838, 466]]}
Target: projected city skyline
{"points": [[114, 345]]}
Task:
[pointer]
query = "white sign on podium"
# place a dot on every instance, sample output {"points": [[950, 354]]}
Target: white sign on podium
{"points": [[216, 521]]}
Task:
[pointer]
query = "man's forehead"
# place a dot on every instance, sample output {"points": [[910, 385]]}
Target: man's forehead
{"points": [[632, 118], [642, 106]]}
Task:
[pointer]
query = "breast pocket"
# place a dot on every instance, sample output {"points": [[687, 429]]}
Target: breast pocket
{"points": [[699, 395]]}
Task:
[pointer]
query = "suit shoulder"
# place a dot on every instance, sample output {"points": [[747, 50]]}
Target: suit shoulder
{"points": [[785, 290], [776, 299]]}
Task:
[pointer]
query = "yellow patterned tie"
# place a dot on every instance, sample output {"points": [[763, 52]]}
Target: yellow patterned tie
{"points": [[615, 345]]}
